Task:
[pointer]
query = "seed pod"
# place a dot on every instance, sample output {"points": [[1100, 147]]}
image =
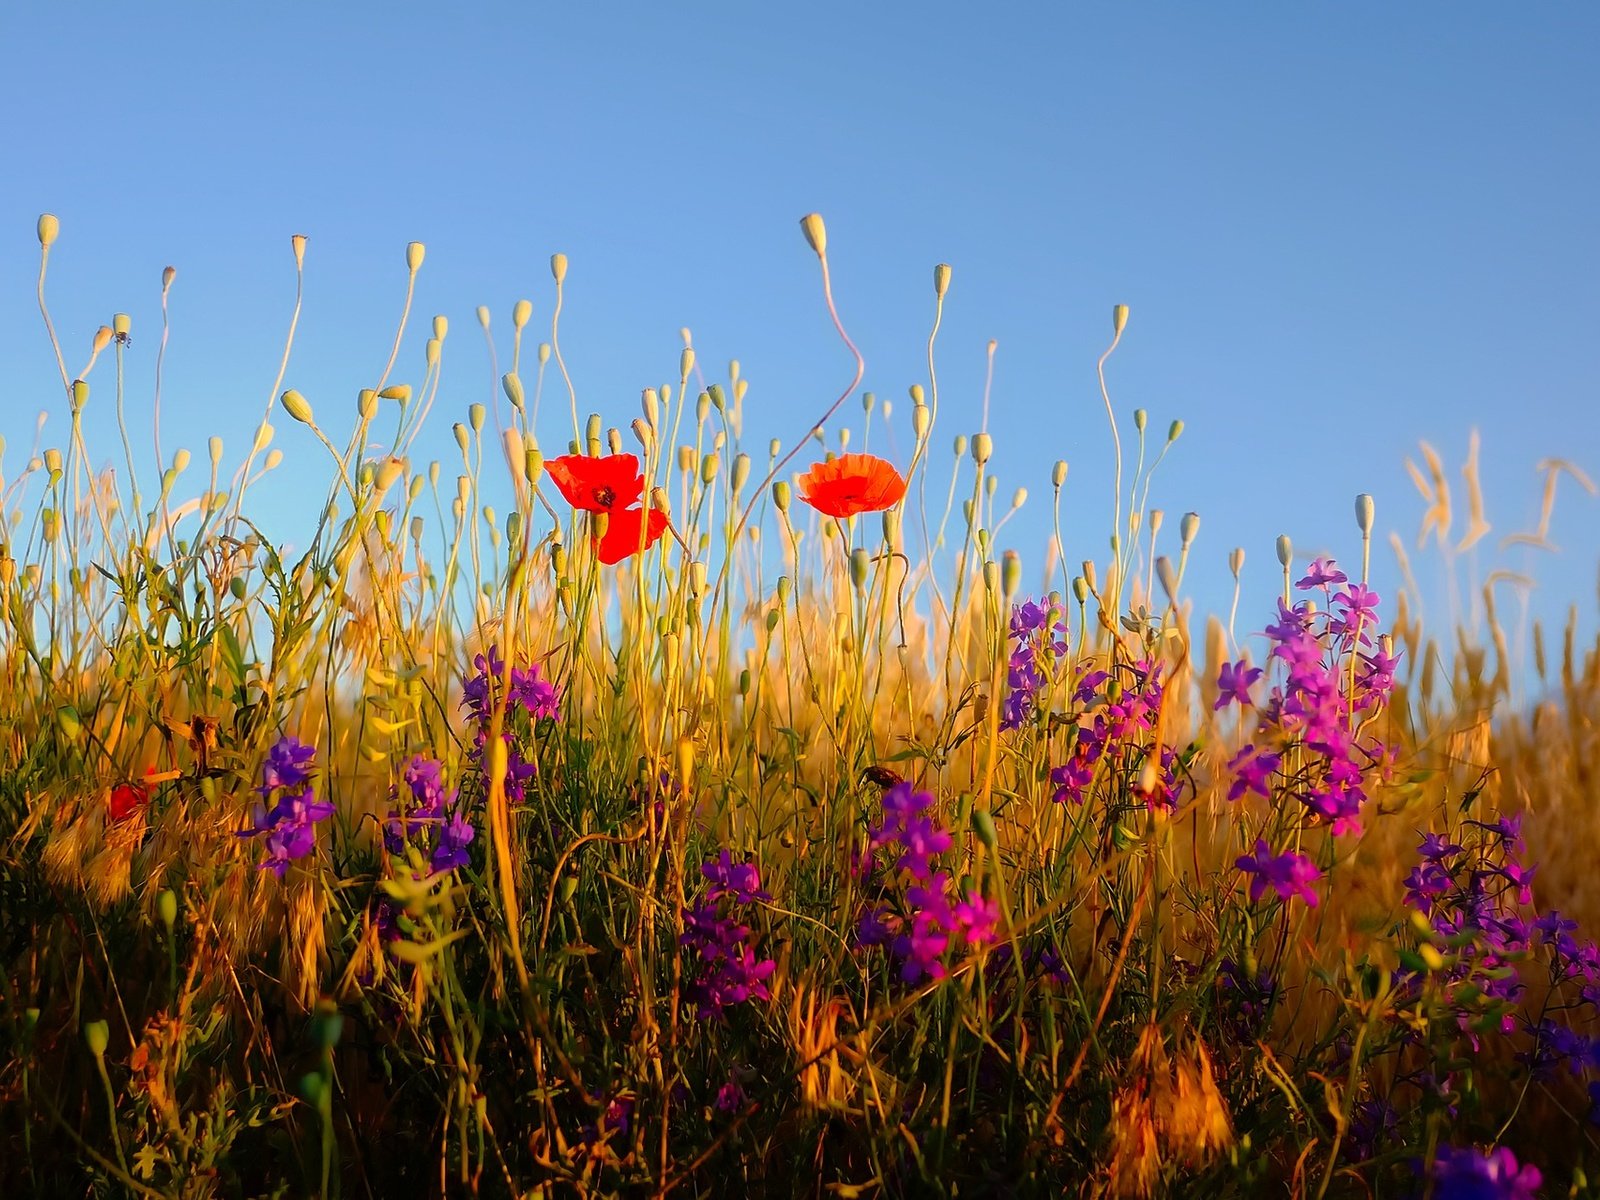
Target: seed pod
{"points": [[415, 252], [1058, 475], [1285, 550], [1119, 319], [1364, 512], [49, 229], [295, 405], [396, 391], [811, 225], [558, 268], [982, 448]]}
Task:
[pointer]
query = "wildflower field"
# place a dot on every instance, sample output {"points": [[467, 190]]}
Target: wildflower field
{"points": [[723, 820]]}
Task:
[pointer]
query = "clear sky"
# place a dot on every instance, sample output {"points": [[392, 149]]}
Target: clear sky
{"points": [[1340, 228]]}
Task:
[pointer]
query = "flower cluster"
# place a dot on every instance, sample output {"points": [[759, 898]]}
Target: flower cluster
{"points": [[1116, 735], [1462, 1171], [290, 824], [1290, 874], [932, 912], [529, 693], [433, 811], [1038, 634], [727, 972], [608, 487]]}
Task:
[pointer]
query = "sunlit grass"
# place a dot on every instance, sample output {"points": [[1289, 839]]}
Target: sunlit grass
{"points": [[1086, 996]]}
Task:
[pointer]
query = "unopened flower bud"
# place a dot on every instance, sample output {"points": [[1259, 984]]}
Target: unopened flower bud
{"points": [[921, 421], [80, 395], [860, 560], [982, 448], [102, 338], [512, 386], [168, 274], [415, 252], [396, 391], [1174, 432], [49, 229], [960, 444], [558, 268], [780, 495], [1188, 527], [521, 312], [483, 315], [941, 280], [367, 404], [1236, 561], [1140, 418], [1157, 518], [816, 232], [1285, 550], [476, 414], [1119, 319], [1010, 573], [430, 352], [708, 467], [1364, 514], [295, 405], [214, 449], [1058, 474], [991, 576], [741, 470], [462, 439], [1168, 578], [97, 1034]]}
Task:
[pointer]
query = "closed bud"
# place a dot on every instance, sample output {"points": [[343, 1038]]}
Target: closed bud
{"points": [[367, 404], [1285, 550], [658, 500], [396, 391], [430, 352], [702, 407], [1157, 519], [918, 396], [1140, 418], [415, 253], [860, 561], [168, 274], [521, 312], [780, 495], [1089, 576], [236, 587], [1080, 589], [921, 421], [1119, 319], [52, 461], [102, 338], [891, 529], [417, 526], [49, 229], [650, 402], [483, 315], [685, 459], [80, 395], [558, 268], [960, 444], [741, 470], [641, 432], [1236, 561], [512, 386], [591, 428], [1058, 474], [719, 399], [214, 449], [810, 224], [295, 405], [991, 576], [96, 1033], [1364, 514], [1168, 578], [544, 353], [1188, 527], [1010, 573], [532, 465], [1018, 497], [708, 468], [941, 280], [441, 327], [1174, 432], [476, 413], [868, 400], [982, 448], [774, 448], [614, 440], [462, 439]]}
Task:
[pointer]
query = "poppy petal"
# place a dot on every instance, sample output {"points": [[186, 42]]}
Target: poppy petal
{"points": [[597, 484], [622, 536]]}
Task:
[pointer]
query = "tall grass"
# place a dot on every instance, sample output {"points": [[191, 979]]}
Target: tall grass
{"points": [[791, 856]]}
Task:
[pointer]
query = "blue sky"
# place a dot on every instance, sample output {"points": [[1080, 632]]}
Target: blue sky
{"points": [[1340, 229]]}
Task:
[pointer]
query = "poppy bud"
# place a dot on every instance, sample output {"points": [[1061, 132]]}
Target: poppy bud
{"points": [[982, 448], [483, 315], [1364, 514], [544, 353], [441, 327], [102, 338], [810, 224], [214, 449], [430, 352], [650, 402], [558, 268], [512, 386], [891, 529], [718, 398], [521, 312], [1089, 576], [1140, 417], [1169, 580], [1285, 550], [97, 1034], [295, 405], [780, 495], [860, 562], [941, 280], [921, 420], [1119, 319], [1188, 527], [991, 576], [462, 440], [960, 444], [641, 433], [167, 907], [396, 391], [708, 467], [1157, 519], [741, 471], [475, 415], [80, 395], [685, 459], [415, 252], [366, 404], [1058, 475], [168, 274], [867, 402], [1174, 431], [49, 229], [1010, 574], [1236, 561]]}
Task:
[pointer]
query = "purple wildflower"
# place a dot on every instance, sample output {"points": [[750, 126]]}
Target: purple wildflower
{"points": [[1233, 684], [289, 825], [1465, 1173], [1322, 573], [1289, 874]]}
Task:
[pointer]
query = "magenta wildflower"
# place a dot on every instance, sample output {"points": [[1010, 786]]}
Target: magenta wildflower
{"points": [[1466, 1173], [976, 919], [1234, 682], [1323, 572], [1290, 874]]}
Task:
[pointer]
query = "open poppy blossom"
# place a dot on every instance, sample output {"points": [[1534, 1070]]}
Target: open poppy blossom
{"points": [[609, 485], [851, 484], [128, 798]]}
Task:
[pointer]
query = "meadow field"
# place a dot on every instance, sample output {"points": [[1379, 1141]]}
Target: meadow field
{"points": [[722, 819]]}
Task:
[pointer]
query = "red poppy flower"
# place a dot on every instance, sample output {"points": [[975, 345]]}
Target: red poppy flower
{"points": [[609, 485], [621, 537], [851, 484], [597, 484], [126, 798]]}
